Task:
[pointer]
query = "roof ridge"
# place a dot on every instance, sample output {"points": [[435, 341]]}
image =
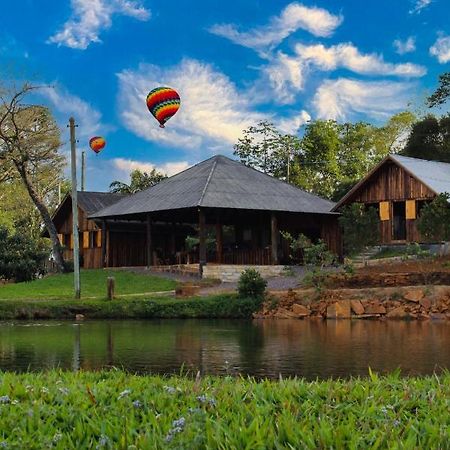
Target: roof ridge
{"points": [[207, 182]]}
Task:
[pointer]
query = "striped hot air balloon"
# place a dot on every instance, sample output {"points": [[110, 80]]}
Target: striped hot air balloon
{"points": [[97, 143], [163, 103]]}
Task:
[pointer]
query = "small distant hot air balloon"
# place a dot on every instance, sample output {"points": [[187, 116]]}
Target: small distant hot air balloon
{"points": [[97, 143], [163, 103]]}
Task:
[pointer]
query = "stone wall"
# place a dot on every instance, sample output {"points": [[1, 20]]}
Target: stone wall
{"points": [[230, 273]]}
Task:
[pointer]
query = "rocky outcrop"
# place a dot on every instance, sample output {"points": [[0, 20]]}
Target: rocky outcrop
{"points": [[419, 303]]}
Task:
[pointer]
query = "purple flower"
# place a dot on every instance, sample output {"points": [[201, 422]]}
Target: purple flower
{"points": [[137, 404], [4, 399]]}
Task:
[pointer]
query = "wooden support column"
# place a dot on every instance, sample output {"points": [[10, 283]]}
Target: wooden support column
{"points": [[149, 242], [103, 235], [219, 242], [274, 237], [202, 237]]}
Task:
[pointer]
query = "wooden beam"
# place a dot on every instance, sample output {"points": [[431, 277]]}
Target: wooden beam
{"points": [[202, 237], [103, 235], [149, 242], [274, 237], [219, 242]]}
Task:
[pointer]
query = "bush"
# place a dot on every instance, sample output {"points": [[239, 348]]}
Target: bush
{"points": [[21, 257], [251, 284]]}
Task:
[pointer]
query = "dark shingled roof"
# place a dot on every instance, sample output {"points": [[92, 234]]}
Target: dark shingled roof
{"points": [[219, 182], [91, 202]]}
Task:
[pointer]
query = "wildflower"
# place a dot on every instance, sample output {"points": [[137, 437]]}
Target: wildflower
{"points": [[384, 410], [63, 390], [3, 444], [103, 441], [14, 402], [137, 404], [44, 390], [29, 388], [170, 389], [194, 410], [396, 423], [205, 400], [124, 393], [30, 413], [57, 437], [5, 399], [179, 423]]}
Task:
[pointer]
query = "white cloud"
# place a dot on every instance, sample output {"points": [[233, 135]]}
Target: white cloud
{"points": [[441, 49], [419, 5], [292, 125], [349, 57], [90, 17], [402, 47], [213, 112], [343, 98], [66, 104], [295, 16], [168, 168]]}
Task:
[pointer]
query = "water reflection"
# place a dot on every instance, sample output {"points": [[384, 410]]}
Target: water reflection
{"points": [[260, 348]]}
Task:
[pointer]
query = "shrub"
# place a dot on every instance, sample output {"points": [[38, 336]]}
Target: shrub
{"points": [[251, 284], [21, 257], [318, 255]]}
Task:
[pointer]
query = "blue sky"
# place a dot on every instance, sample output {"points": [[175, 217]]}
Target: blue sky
{"points": [[233, 62]]}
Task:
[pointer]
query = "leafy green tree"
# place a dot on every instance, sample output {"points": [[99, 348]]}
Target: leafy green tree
{"points": [[434, 221], [429, 139], [265, 148], [442, 93], [29, 151], [21, 257], [139, 182], [360, 228]]}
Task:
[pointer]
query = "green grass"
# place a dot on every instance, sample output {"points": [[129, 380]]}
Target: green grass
{"points": [[93, 284], [218, 306], [116, 410]]}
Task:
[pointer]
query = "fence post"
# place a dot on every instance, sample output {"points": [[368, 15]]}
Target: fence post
{"points": [[110, 286]]}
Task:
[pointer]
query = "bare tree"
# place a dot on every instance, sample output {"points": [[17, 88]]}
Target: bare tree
{"points": [[29, 144]]}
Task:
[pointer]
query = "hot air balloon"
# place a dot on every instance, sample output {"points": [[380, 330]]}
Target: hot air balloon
{"points": [[97, 143], [163, 103]]}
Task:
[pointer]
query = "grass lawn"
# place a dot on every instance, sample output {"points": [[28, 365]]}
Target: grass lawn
{"points": [[116, 410], [389, 253], [93, 285]]}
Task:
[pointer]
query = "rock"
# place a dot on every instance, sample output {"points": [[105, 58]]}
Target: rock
{"points": [[300, 310], [414, 295], [438, 316], [79, 316], [425, 303], [285, 314], [397, 313], [357, 307], [375, 308], [339, 310]]}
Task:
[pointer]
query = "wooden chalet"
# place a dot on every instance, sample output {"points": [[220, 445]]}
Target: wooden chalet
{"points": [[90, 234], [235, 213], [398, 187]]}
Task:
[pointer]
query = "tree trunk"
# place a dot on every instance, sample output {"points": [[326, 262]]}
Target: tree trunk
{"points": [[46, 218]]}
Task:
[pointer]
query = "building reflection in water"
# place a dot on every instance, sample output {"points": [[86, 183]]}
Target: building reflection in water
{"points": [[263, 348]]}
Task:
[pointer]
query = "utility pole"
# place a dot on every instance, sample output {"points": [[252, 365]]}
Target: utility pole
{"points": [[83, 170], [76, 243], [288, 158]]}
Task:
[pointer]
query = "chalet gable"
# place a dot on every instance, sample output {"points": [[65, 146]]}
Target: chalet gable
{"points": [[400, 178]]}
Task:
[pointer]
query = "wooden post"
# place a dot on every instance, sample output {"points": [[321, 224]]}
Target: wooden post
{"points": [[149, 241], [274, 237], [103, 243], [110, 288], [76, 242], [202, 238], [219, 242]]}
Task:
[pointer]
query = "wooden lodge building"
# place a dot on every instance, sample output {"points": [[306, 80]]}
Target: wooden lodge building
{"points": [[233, 214], [398, 187]]}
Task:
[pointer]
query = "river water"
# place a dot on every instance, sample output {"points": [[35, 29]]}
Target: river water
{"points": [[265, 348]]}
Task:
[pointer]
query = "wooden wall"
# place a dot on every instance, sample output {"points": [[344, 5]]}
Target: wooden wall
{"points": [[392, 183]]}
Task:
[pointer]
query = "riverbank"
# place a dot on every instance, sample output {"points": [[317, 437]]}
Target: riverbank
{"points": [[400, 302], [218, 306], [117, 410]]}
